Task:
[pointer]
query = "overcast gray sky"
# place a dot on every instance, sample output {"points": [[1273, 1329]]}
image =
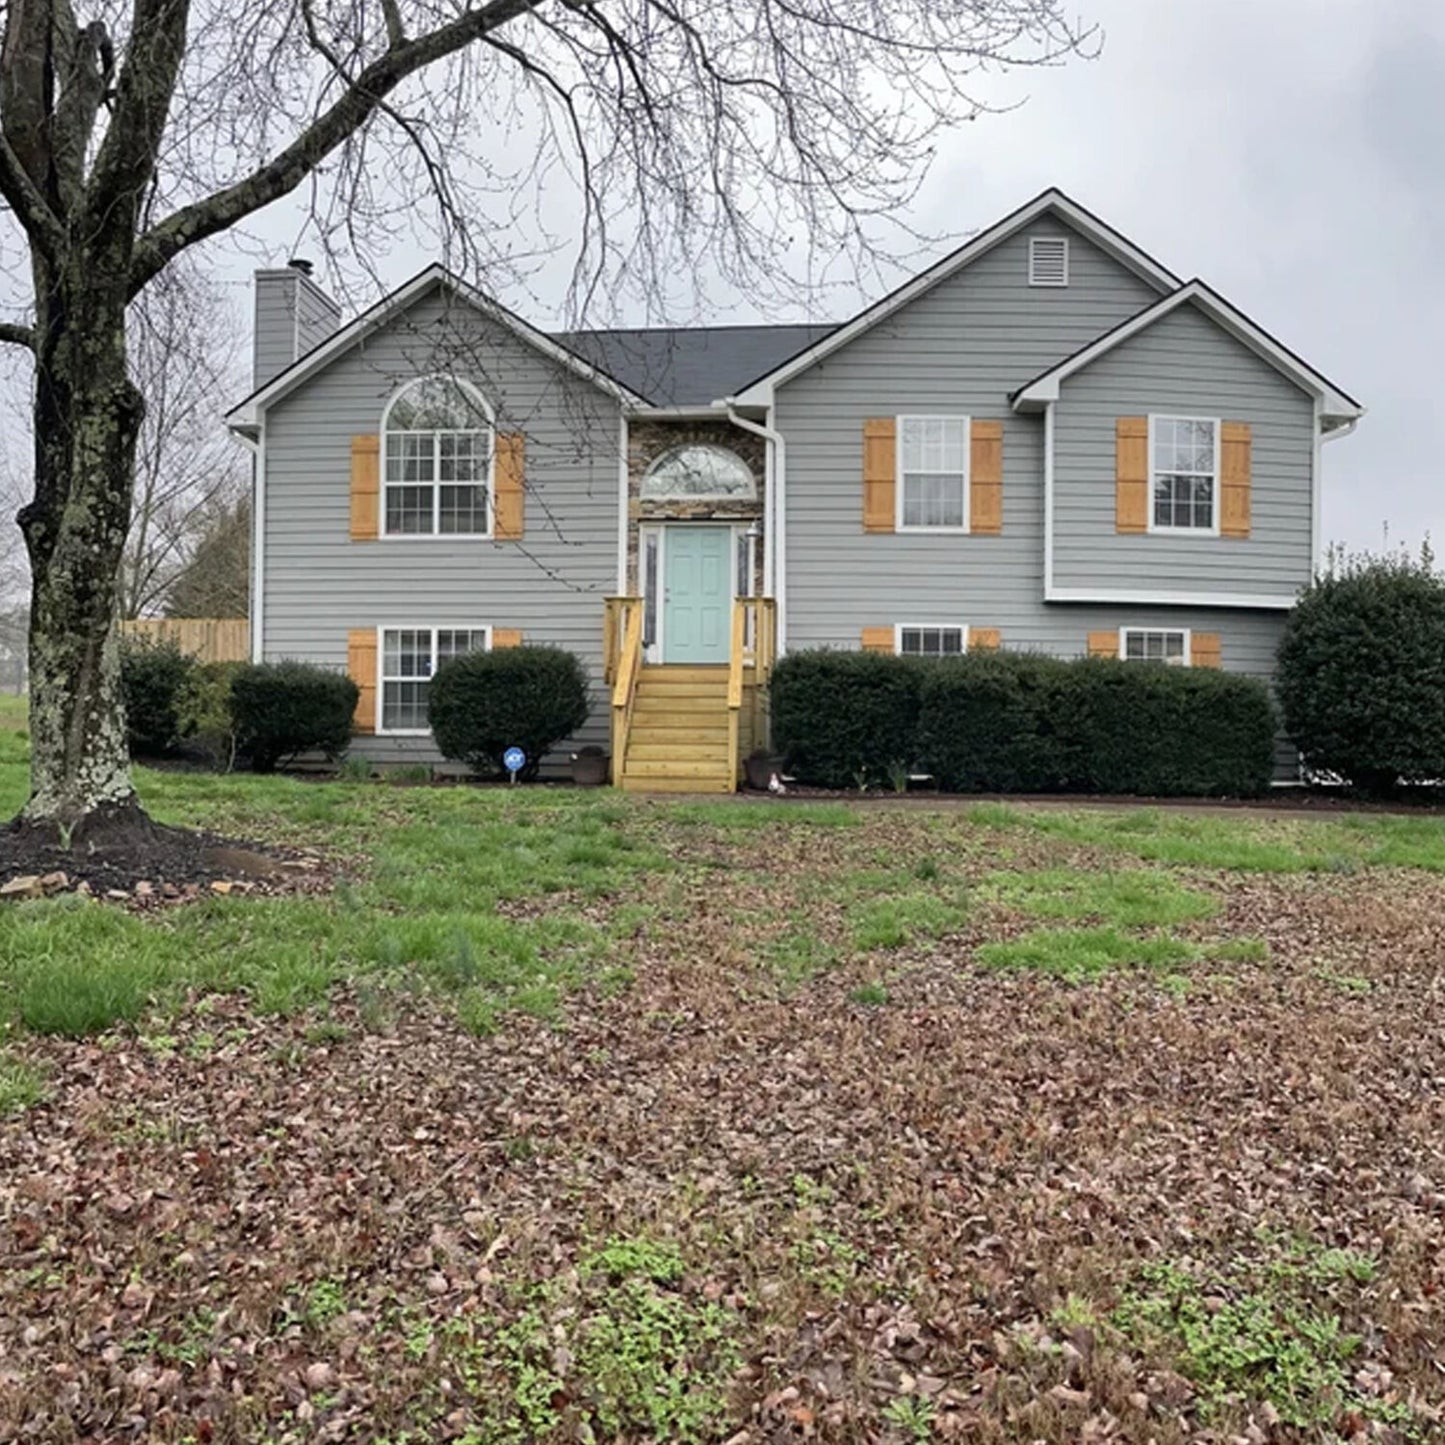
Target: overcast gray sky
{"points": [[1287, 151]]}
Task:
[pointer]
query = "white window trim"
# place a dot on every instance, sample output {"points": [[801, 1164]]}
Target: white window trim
{"points": [[898, 421], [1187, 633], [899, 628], [381, 679], [436, 534], [1048, 285], [1213, 529]]}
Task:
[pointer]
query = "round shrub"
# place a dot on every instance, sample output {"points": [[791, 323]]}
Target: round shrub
{"points": [[153, 676], [207, 727], [483, 703], [846, 719], [282, 709], [1361, 677]]}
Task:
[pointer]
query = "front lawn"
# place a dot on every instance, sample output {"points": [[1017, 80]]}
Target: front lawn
{"points": [[579, 1116]]}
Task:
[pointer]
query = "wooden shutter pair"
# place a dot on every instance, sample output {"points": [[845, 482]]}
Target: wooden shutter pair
{"points": [[880, 476], [361, 669], [1204, 647], [507, 480], [1132, 484], [980, 639]]}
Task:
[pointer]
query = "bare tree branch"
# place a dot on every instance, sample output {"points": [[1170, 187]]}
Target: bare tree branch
{"points": [[17, 335]]}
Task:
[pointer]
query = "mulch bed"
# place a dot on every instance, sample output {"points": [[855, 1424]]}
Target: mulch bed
{"points": [[174, 864]]}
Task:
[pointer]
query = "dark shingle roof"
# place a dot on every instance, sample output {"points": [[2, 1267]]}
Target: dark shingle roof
{"points": [[690, 366]]}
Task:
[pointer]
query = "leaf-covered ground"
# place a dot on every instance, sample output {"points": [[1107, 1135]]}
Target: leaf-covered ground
{"points": [[574, 1117]]}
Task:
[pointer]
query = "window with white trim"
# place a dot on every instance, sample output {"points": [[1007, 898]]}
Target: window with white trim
{"points": [[409, 658], [437, 460], [932, 641], [933, 473], [1144, 644], [1184, 473], [1048, 260]]}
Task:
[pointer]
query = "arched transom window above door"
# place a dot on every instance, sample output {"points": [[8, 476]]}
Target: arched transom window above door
{"points": [[699, 471], [437, 452]]}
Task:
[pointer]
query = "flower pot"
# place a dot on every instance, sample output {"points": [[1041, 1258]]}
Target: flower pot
{"points": [[759, 767], [589, 767]]}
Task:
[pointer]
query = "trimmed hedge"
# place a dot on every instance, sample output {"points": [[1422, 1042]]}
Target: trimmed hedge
{"points": [[1019, 722], [845, 719], [280, 709], [153, 678], [483, 703], [1362, 672]]}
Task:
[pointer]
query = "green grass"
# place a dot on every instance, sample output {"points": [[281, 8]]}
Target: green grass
{"points": [[1132, 898], [1080, 954], [21, 1085], [902, 919]]}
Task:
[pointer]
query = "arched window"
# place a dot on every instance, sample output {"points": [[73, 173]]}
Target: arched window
{"points": [[700, 470], [437, 446]]}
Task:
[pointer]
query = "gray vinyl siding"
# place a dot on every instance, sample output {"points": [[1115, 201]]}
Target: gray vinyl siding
{"points": [[273, 340], [963, 348], [1184, 364], [318, 316], [319, 584]]}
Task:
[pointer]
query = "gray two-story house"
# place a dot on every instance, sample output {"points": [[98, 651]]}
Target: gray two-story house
{"points": [[1045, 442]]}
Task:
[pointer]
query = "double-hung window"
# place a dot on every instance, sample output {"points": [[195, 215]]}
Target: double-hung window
{"points": [[437, 454], [931, 641], [409, 657], [1143, 644], [1184, 474], [933, 473]]}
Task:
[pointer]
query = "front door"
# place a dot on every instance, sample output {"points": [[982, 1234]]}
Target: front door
{"points": [[697, 594]]}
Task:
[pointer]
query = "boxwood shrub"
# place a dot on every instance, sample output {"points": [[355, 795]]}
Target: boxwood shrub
{"points": [[845, 719], [282, 709], [1019, 722], [482, 704], [153, 679]]}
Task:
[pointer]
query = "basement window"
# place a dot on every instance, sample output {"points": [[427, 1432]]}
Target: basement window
{"points": [[1140, 644], [1048, 260], [932, 641]]}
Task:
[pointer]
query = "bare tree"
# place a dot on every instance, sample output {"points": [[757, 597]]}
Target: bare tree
{"points": [[184, 360], [698, 136], [215, 578]]}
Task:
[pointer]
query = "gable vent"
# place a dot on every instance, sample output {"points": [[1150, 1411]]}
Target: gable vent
{"points": [[1048, 260]]}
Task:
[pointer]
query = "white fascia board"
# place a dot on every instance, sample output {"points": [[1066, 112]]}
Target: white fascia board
{"points": [[1254, 601], [248, 413], [1334, 405], [760, 393]]}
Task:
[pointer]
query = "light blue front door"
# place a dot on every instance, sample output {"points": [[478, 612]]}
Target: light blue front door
{"points": [[697, 594]]}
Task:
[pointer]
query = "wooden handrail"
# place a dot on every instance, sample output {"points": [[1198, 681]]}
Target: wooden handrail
{"points": [[624, 687], [736, 661]]}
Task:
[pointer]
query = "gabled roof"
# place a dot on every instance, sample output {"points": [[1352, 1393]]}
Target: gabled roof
{"points": [[1053, 201], [1336, 407], [690, 366], [246, 416]]}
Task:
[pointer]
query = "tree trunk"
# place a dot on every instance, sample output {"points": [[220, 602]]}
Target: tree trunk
{"points": [[87, 416]]}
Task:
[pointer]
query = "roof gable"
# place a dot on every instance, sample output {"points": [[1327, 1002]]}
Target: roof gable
{"points": [[247, 415], [1051, 202], [1336, 407]]}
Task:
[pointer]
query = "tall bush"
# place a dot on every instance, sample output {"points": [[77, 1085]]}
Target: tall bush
{"points": [[845, 719], [153, 678], [483, 703], [283, 709], [1362, 672]]}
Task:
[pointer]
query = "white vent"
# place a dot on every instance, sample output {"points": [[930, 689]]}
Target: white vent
{"points": [[1048, 260]]}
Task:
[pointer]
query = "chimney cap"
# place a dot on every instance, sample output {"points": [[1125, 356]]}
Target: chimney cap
{"points": [[299, 263]]}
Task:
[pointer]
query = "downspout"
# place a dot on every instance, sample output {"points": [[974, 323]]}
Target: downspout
{"points": [[775, 558], [257, 447]]}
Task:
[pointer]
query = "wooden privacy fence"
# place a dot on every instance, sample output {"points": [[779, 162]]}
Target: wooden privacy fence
{"points": [[208, 639]]}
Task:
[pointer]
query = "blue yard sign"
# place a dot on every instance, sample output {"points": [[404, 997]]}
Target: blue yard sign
{"points": [[514, 760]]}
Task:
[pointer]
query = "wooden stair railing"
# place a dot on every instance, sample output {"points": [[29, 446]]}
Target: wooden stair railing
{"points": [[622, 637]]}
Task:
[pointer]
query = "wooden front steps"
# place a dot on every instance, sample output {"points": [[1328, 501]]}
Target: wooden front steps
{"points": [[678, 742]]}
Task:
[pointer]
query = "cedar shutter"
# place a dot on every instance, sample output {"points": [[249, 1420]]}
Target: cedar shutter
{"points": [[1131, 474], [365, 488], [1235, 446], [878, 639], [983, 639], [509, 482], [985, 478], [1204, 650], [1103, 644], [506, 637], [880, 475], [361, 668]]}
